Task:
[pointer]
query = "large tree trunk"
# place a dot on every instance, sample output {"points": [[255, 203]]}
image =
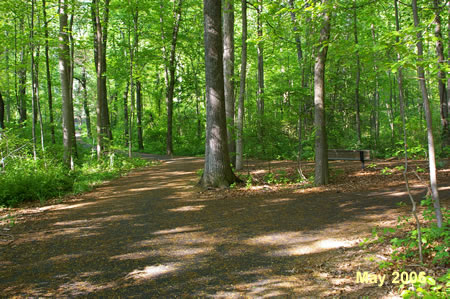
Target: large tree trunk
{"points": [[228, 69], [100, 41], [171, 86], [321, 146], [49, 77], [441, 76], [64, 69], [240, 112], [217, 172], [428, 117]]}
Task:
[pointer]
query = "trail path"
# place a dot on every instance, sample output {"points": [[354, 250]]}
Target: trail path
{"points": [[153, 234]]}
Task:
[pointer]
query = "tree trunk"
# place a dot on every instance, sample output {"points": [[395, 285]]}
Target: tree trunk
{"points": [[217, 172], [49, 77], [125, 113], [428, 117], [240, 112], [100, 40], [321, 147], [139, 115], [2, 113], [85, 102], [260, 92], [228, 68], [441, 76], [358, 77], [34, 83], [171, 86], [64, 67], [22, 74]]}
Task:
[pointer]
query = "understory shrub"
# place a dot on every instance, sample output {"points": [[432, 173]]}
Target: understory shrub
{"points": [[30, 180]]}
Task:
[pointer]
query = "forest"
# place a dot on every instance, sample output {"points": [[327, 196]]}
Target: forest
{"points": [[92, 89]]}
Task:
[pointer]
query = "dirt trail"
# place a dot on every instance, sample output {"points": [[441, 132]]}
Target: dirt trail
{"points": [[154, 234]]}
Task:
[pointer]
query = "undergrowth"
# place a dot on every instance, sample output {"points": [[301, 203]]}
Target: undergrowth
{"points": [[25, 179], [403, 241]]}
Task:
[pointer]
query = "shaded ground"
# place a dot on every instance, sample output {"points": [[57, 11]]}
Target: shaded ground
{"points": [[154, 234]]}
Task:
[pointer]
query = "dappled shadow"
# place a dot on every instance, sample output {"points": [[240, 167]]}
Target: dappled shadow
{"points": [[152, 233]]}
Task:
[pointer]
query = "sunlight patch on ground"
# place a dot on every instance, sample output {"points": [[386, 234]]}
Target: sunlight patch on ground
{"points": [[281, 238], [313, 247], [79, 205], [150, 272], [80, 288], [133, 255], [64, 257], [188, 209], [278, 200], [180, 229]]}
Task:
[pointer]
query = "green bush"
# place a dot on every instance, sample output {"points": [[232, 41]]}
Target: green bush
{"points": [[29, 180]]}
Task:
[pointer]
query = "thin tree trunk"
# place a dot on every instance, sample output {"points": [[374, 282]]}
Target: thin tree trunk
{"points": [[260, 91], [243, 74], [22, 74], [428, 117], [34, 83], [125, 114], [85, 102], [49, 77], [171, 86], [217, 172], [8, 93], [228, 68], [64, 66], [358, 76], [321, 147], [139, 114], [2, 112], [441, 76]]}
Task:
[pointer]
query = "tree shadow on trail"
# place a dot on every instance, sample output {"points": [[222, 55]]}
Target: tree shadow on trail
{"points": [[150, 235]]}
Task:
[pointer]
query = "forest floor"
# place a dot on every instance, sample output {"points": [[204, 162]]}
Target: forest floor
{"points": [[154, 233]]}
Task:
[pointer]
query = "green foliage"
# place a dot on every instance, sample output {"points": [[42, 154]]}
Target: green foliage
{"points": [[428, 287], [24, 179], [435, 240], [29, 180]]}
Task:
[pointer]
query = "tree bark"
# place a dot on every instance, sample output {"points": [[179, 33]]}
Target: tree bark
{"points": [[139, 115], [171, 86], [125, 114], [441, 76], [243, 74], [217, 172], [358, 76], [64, 69], [2, 113], [321, 146], [85, 102], [49, 77], [34, 83], [428, 117], [22, 74], [228, 69], [100, 41], [260, 52]]}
